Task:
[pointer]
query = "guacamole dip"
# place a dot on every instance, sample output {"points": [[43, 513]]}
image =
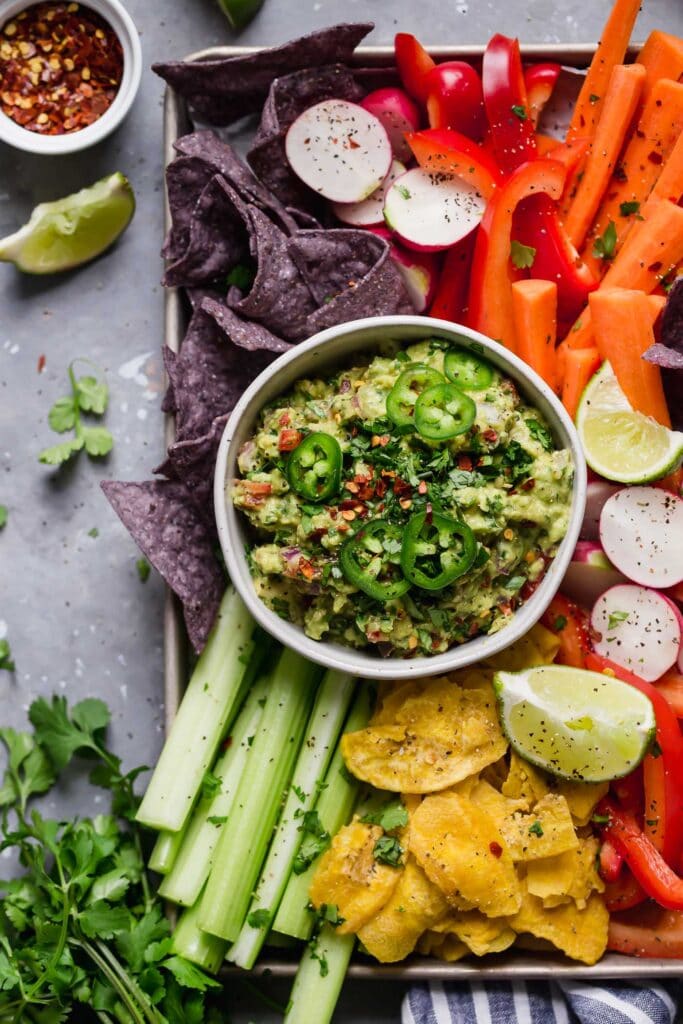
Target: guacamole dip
{"points": [[406, 505]]}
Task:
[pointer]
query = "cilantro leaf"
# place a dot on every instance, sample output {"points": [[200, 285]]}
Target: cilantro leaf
{"points": [[63, 736], [103, 921], [28, 769], [522, 256], [388, 850], [390, 816], [143, 568], [605, 245], [259, 918], [189, 976], [615, 618], [626, 209], [88, 395], [541, 434], [315, 839], [403, 191], [3, 516], [6, 661], [97, 440], [211, 785], [536, 829], [519, 111], [60, 453], [62, 415], [241, 276], [92, 395]]}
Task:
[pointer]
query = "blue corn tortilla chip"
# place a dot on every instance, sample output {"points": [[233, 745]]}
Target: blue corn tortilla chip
{"points": [[288, 97], [168, 403], [175, 539], [193, 463], [186, 179], [351, 275], [246, 334], [668, 352], [223, 90]]}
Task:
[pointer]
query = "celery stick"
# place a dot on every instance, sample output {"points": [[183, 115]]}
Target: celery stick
{"points": [[334, 807], [320, 977], [244, 839], [165, 851], [321, 736], [190, 871], [201, 720], [191, 942]]}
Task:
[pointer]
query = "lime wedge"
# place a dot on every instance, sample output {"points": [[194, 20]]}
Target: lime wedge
{"points": [[70, 231], [619, 443], [579, 725]]}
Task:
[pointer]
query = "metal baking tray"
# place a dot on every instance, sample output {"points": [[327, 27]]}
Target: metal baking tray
{"points": [[277, 962]]}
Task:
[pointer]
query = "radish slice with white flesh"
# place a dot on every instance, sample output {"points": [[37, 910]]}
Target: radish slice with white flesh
{"points": [[429, 212], [370, 212], [339, 150], [638, 629], [590, 573], [398, 114], [597, 493], [641, 530]]}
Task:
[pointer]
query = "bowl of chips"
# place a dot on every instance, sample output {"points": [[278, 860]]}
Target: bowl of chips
{"points": [[342, 347]]}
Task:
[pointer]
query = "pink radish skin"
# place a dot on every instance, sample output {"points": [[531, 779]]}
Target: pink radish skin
{"points": [[590, 574], [597, 493], [420, 271], [340, 150], [679, 615], [397, 112], [370, 212], [429, 212], [641, 530], [648, 641]]}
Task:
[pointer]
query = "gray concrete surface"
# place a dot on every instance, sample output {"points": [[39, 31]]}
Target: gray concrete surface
{"points": [[79, 620]]}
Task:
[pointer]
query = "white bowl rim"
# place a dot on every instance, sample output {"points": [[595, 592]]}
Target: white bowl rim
{"points": [[348, 659], [123, 25]]}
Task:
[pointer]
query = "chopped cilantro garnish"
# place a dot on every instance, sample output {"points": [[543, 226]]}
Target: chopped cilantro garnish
{"points": [[388, 850], [3, 516], [615, 618], [93, 532], [241, 276], [390, 816], [6, 661], [211, 784], [143, 569], [605, 245], [519, 111], [536, 829], [541, 433], [522, 256], [259, 918], [559, 623], [403, 191], [315, 839], [626, 209]]}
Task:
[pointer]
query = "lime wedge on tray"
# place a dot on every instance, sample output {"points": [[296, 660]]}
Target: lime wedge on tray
{"points": [[70, 231], [576, 724], [619, 443]]}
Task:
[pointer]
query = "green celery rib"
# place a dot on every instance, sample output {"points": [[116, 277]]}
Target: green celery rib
{"points": [[320, 739], [162, 858], [191, 942], [185, 881], [334, 807], [320, 977], [244, 840], [201, 720]]}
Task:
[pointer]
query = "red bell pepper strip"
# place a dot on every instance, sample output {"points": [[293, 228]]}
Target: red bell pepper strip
{"points": [[413, 63], [662, 775], [569, 153], [490, 299], [444, 151], [647, 865], [629, 792], [455, 98], [610, 862], [623, 893], [671, 687], [648, 932], [539, 82], [505, 99], [450, 301], [569, 623]]}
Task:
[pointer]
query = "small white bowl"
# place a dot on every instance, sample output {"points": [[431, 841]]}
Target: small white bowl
{"points": [[336, 347], [122, 24]]}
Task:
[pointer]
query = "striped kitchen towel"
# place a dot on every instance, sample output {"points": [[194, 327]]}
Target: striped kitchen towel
{"points": [[542, 1002]]}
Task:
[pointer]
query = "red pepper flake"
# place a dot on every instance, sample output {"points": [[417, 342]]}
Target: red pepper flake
{"points": [[289, 440], [306, 569], [655, 158], [465, 462], [496, 849], [41, 363], [61, 67]]}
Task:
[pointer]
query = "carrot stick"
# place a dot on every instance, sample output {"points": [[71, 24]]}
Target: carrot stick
{"points": [[611, 51], [618, 110], [650, 146], [662, 57], [579, 366], [623, 332], [534, 309], [545, 143], [651, 250], [669, 184]]}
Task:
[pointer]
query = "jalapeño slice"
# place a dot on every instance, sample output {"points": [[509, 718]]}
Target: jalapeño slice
{"points": [[443, 411], [406, 391], [371, 561], [314, 467], [436, 550], [467, 370]]}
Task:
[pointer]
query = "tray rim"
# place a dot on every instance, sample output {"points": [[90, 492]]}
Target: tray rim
{"points": [[513, 966]]}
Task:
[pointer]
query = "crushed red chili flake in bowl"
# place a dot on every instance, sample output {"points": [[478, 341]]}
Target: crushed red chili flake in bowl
{"points": [[66, 69]]}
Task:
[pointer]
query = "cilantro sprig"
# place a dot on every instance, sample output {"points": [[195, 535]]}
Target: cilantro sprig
{"points": [[80, 927], [522, 256], [605, 245], [89, 395]]}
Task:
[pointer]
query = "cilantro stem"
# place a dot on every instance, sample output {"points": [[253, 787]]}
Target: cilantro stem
{"points": [[115, 983], [135, 989], [78, 429]]}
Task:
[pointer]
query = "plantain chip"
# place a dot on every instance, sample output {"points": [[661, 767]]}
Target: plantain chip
{"points": [[414, 906], [543, 832], [349, 877], [537, 647], [566, 877], [524, 781], [581, 934], [443, 730], [582, 797], [480, 934], [460, 847]]}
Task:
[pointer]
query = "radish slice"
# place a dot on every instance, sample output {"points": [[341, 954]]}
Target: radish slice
{"points": [[419, 270], [597, 493], [637, 629], [429, 212], [641, 529], [340, 150], [398, 114], [590, 574], [370, 212]]}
